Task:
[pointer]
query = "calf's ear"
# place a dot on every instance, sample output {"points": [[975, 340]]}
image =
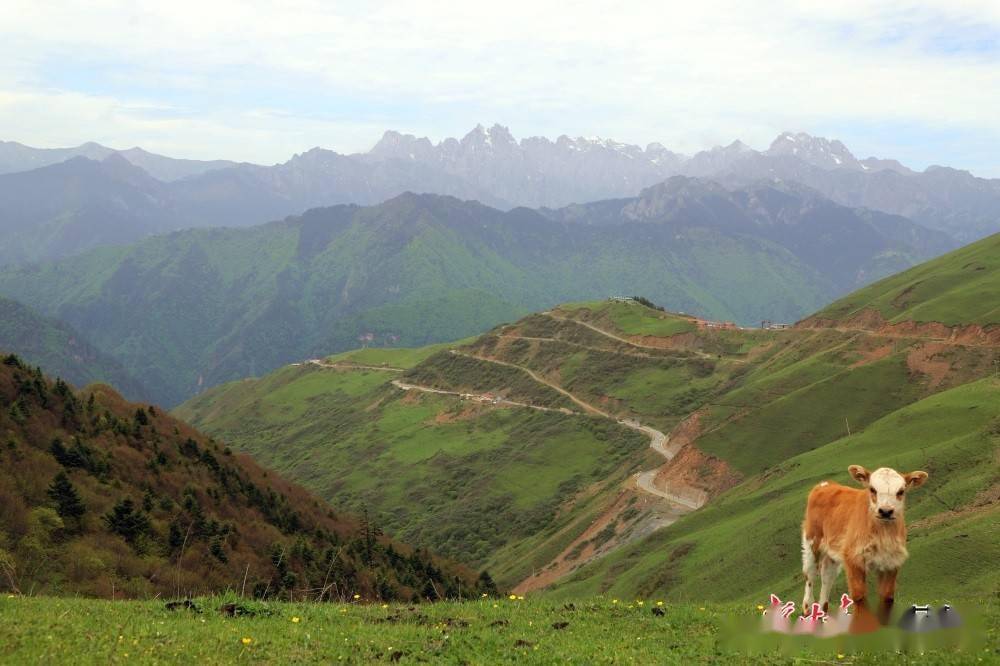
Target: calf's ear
{"points": [[859, 473], [915, 479]]}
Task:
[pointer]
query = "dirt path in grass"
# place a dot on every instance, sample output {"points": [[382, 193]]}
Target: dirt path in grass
{"points": [[346, 365], [658, 440], [609, 334], [590, 409], [479, 397], [672, 506], [637, 354]]}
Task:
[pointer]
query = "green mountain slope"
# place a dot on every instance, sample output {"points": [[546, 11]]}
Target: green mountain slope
{"points": [[102, 497], [756, 416], [197, 308], [55, 346], [746, 544], [961, 287], [473, 478]]}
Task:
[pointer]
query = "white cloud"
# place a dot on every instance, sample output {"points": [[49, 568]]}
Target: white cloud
{"points": [[685, 74]]}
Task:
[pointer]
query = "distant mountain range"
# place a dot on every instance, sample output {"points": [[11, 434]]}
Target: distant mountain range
{"points": [[19, 157], [195, 308], [60, 201]]}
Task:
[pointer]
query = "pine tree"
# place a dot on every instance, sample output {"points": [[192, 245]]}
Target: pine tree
{"points": [[486, 585], [69, 506], [128, 523], [215, 547]]}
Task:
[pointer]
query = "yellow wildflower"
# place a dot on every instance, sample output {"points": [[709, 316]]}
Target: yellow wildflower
{"points": [[520, 598], [759, 607], [840, 656], [640, 603], [385, 605], [614, 601], [357, 596], [246, 640], [513, 597], [295, 620], [659, 603]]}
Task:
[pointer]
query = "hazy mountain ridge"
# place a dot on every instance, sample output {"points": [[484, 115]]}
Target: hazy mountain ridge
{"points": [[16, 157], [195, 308], [60, 349], [488, 165], [538, 172]]}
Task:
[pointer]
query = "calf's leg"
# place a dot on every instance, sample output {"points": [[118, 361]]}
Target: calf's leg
{"points": [[857, 585], [886, 593], [828, 570], [810, 570]]}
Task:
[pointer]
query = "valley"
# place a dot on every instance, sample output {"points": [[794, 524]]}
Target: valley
{"points": [[195, 308], [738, 418]]}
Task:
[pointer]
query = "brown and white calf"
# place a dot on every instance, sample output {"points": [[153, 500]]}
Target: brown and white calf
{"points": [[859, 529]]}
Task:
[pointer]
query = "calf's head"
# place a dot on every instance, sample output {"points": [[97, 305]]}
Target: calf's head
{"points": [[887, 489]]}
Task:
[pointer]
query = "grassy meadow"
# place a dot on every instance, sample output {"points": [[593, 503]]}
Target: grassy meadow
{"points": [[485, 631], [466, 479], [746, 543]]}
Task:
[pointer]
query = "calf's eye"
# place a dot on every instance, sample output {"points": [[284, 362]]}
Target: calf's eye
{"points": [[872, 490], [899, 495]]}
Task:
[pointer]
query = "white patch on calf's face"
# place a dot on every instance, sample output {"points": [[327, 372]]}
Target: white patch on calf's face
{"points": [[886, 494]]}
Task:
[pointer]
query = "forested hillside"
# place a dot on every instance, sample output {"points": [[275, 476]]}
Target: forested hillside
{"points": [[102, 497]]}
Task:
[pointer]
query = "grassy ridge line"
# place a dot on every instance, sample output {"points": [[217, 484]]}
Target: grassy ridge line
{"points": [[399, 357], [961, 287], [48, 630]]}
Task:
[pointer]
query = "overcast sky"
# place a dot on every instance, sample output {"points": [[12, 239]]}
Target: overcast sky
{"points": [[258, 81]]}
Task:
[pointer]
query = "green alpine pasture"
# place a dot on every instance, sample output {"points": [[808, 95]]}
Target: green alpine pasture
{"points": [[746, 544], [628, 319], [483, 631], [961, 287], [464, 478], [508, 488]]}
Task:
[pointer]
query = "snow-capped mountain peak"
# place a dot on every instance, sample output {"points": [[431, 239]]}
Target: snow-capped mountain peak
{"points": [[817, 151]]}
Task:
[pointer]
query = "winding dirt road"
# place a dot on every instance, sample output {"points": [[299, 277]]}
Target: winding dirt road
{"points": [[658, 440], [609, 334], [479, 397]]}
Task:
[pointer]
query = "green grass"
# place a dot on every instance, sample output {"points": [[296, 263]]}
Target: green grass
{"points": [[400, 357], [958, 288], [464, 479], [484, 631], [506, 489], [746, 544], [632, 318]]}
